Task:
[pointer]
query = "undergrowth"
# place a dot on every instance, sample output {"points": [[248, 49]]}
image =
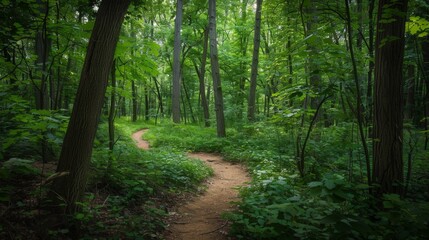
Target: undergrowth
{"points": [[128, 195], [130, 190], [331, 202], [139, 185]]}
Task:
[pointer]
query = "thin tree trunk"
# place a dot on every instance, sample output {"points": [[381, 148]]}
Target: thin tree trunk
{"points": [[77, 145], [369, 97], [146, 103], [111, 120], [42, 51], [185, 116], [59, 83], [189, 102], [290, 66], [217, 86], [134, 95], [158, 93], [255, 60], [410, 103], [358, 94], [244, 39], [133, 101], [359, 36], [201, 73], [388, 105], [301, 160], [43, 45], [425, 75]]}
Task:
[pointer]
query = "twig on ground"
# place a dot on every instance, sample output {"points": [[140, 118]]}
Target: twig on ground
{"points": [[223, 225], [181, 222]]}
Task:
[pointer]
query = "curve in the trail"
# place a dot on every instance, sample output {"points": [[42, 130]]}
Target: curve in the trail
{"points": [[200, 218], [137, 137]]}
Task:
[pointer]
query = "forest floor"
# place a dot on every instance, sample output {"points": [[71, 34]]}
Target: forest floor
{"points": [[200, 218]]}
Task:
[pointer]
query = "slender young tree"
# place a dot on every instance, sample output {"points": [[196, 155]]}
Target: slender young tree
{"points": [[243, 41], [201, 72], [388, 115], [369, 98], [77, 145], [425, 75], [112, 108], [42, 47], [358, 92], [309, 9], [217, 86], [133, 81], [255, 61], [176, 63]]}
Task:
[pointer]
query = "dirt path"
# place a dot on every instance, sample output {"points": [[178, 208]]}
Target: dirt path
{"points": [[137, 137], [200, 218]]}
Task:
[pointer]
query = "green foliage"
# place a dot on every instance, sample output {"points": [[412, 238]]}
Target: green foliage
{"points": [[22, 128], [13, 170], [276, 206], [134, 179], [17, 167], [186, 137], [300, 40], [418, 26], [330, 203]]}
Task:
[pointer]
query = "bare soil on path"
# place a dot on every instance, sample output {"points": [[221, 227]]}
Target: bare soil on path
{"points": [[200, 217], [137, 137]]}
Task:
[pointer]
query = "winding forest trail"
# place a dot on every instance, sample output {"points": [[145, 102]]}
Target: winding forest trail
{"points": [[200, 218]]}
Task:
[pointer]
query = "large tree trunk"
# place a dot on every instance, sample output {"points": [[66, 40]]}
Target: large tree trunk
{"points": [[217, 86], [79, 138], [251, 107], [388, 104], [176, 63]]}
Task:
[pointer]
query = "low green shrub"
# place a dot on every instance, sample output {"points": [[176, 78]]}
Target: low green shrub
{"points": [[277, 206], [128, 180]]}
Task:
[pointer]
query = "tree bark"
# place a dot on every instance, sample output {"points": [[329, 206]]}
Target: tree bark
{"points": [[359, 104], [244, 40], [146, 103], [43, 45], [176, 63], [369, 97], [77, 145], [158, 94], [112, 109], [388, 105], [134, 95], [425, 73], [313, 67], [255, 61], [133, 101], [410, 102], [217, 85]]}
